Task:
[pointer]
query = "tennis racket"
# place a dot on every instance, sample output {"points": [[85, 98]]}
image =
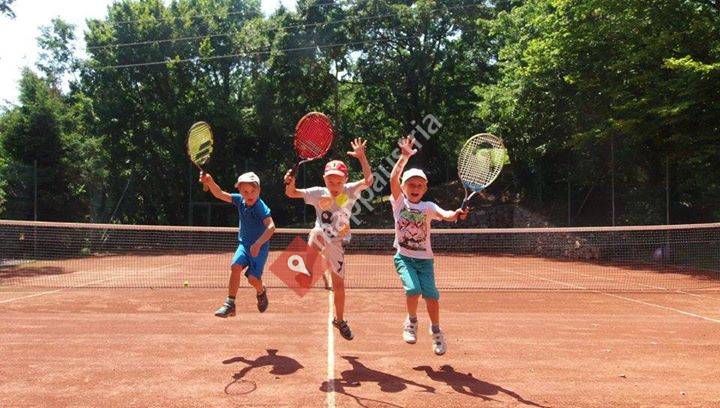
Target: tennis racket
{"points": [[313, 137], [479, 163], [200, 145]]}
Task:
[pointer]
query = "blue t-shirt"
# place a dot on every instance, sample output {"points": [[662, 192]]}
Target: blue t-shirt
{"points": [[251, 220]]}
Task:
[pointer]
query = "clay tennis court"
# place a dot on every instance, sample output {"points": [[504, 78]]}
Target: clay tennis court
{"points": [[119, 329]]}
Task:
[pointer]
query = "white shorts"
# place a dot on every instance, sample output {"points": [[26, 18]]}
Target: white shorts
{"points": [[332, 250]]}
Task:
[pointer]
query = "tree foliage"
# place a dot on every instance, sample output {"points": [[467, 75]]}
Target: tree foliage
{"points": [[585, 93]]}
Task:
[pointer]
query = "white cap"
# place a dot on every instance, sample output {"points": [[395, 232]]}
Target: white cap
{"points": [[413, 173], [248, 178]]}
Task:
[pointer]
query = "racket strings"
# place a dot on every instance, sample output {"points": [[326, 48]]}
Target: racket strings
{"points": [[200, 144], [480, 161], [314, 137]]}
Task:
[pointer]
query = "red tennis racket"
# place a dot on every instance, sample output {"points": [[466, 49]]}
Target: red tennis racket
{"points": [[313, 137]]}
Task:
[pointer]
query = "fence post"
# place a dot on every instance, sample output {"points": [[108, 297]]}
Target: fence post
{"points": [[667, 189], [612, 175], [35, 191]]}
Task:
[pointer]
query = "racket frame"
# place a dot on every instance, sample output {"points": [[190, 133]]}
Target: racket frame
{"points": [[304, 160], [469, 195], [190, 156]]}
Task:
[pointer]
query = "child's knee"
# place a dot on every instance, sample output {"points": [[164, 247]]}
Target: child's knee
{"points": [[431, 294]]}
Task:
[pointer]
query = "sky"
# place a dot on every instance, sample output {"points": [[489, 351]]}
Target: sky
{"points": [[19, 45]]}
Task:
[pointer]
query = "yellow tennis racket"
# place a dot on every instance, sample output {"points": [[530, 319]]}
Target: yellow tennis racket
{"points": [[200, 145]]}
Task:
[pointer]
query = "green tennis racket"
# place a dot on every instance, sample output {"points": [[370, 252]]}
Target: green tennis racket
{"points": [[200, 145]]}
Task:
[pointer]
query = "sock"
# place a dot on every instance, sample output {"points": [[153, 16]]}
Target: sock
{"points": [[230, 299], [413, 319], [435, 328]]}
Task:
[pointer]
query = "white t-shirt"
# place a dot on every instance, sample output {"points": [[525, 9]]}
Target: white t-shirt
{"points": [[412, 226], [332, 213]]}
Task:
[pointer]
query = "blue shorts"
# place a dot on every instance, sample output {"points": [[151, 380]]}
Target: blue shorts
{"points": [[256, 265], [417, 275]]}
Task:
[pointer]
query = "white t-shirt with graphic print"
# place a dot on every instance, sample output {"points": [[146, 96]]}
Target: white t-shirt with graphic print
{"points": [[412, 226], [332, 213]]}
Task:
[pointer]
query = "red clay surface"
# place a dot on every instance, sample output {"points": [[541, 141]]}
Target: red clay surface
{"points": [[142, 347], [457, 272]]}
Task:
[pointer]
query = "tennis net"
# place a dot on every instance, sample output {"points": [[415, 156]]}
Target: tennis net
{"points": [[648, 258]]}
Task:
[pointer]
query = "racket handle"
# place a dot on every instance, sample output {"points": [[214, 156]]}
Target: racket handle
{"points": [[466, 201], [205, 187], [293, 171]]}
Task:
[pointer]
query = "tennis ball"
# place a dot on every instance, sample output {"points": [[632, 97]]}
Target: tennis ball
{"points": [[186, 284], [498, 157], [341, 199], [495, 157]]}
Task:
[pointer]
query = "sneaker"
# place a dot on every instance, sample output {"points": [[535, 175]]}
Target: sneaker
{"points": [[262, 300], [410, 332], [344, 329], [438, 343], [228, 309]]}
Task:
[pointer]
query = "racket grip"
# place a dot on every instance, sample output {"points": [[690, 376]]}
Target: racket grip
{"points": [[293, 171], [205, 186], [466, 202]]}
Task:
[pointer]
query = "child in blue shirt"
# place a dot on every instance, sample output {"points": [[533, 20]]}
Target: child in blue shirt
{"points": [[255, 229]]}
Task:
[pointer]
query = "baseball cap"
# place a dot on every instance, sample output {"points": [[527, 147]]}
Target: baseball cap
{"points": [[336, 167], [413, 173], [249, 177]]}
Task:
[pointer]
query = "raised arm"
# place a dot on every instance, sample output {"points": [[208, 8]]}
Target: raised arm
{"points": [[215, 190], [290, 189], [406, 151], [358, 152]]}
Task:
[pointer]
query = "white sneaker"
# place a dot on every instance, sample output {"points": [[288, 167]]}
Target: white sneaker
{"points": [[439, 347], [410, 332]]}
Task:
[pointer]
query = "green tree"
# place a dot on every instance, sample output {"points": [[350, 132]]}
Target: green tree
{"points": [[415, 59], [143, 111], [578, 77], [57, 50], [33, 134]]}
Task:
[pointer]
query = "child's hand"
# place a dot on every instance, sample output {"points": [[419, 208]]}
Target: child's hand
{"points": [[358, 146], [254, 250], [406, 146], [205, 178], [461, 214], [289, 178]]}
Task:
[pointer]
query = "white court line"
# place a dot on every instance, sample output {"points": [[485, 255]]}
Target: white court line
{"points": [[683, 312], [30, 296], [678, 291], [90, 283], [330, 353]]}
